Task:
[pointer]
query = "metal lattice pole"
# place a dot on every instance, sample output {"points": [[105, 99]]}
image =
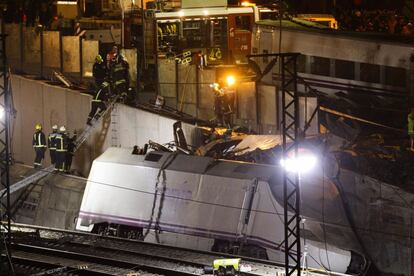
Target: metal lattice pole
{"points": [[290, 133], [5, 154], [291, 188]]}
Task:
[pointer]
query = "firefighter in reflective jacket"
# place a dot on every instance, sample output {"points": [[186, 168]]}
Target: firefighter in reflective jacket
{"points": [[61, 149], [120, 76], [99, 71], [51, 143], [39, 145], [98, 102], [71, 151]]}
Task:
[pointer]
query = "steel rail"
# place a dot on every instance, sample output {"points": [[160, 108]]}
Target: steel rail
{"points": [[59, 238], [112, 262]]}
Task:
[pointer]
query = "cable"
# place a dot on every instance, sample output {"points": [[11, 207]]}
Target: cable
{"points": [[323, 217]]}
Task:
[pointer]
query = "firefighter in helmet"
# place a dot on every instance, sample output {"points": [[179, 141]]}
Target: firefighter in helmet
{"points": [[39, 145], [99, 71], [61, 149]]}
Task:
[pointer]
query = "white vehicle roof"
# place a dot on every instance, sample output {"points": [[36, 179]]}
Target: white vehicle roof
{"points": [[189, 163]]}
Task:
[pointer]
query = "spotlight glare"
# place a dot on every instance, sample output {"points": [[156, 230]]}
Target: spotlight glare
{"points": [[301, 164], [1, 113], [231, 80]]}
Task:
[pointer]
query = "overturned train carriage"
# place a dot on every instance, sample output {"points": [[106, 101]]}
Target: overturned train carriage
{"points": [[208, 204]]}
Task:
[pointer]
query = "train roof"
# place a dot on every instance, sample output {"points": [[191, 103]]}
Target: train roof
{"points": [[302, 25], [188, 163]]}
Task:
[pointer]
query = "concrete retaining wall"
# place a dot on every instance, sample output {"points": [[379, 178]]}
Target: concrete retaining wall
{"points": [[25, 51], [256, 110], [38, 102]]}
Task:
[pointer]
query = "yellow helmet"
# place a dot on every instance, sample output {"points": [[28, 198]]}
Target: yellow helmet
{"points": [[99, 59], [38, 127]]}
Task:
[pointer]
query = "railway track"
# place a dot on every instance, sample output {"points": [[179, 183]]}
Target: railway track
{"points": [[81, 253]]}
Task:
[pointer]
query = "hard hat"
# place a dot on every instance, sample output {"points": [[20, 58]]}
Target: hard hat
{"points": [[99, 59], [38, 126], [62, 129], [54, 127]]}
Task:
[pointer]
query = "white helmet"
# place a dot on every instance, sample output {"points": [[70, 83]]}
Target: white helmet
{"points": [[62, 129], [55, 127]]}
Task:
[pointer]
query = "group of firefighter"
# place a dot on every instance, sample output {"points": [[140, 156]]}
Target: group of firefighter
{"points": [[111, 81], [60, 144]]}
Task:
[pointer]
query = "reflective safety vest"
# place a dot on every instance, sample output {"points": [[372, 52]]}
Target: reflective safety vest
{"points": [[101, 93], [61, 142], [51, 143], [39, 140], [410, 123]]}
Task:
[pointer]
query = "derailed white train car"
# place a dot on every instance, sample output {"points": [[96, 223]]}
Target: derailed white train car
{"points": [[207, 204]]}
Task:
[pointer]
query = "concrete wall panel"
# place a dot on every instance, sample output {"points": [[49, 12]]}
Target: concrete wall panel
{"points": [[51, 49], [90, 49], [31, 56], [54, 107], [267, 104], [166, 73], [71, 53], [187, 87], [206, 96], [247, 101], [13, 44], [37, 102], [29, 109], [131, 56]]}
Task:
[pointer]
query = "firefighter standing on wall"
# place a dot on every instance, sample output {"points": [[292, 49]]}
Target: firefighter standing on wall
{"points": [[111, 57], [61, 149], [39, 145], [51, 143], [120, 76], [99, 71], [98, 102], [223, 104]]}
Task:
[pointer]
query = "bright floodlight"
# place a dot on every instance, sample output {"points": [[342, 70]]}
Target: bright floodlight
{"points": [[1, 113], [181, 13], [302, 164], [230, 80]]}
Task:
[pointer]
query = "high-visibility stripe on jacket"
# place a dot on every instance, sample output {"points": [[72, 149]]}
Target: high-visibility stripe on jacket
{"points": [[52, 140], [120, 82], [410, 123], [97, 97], [61, 143], [39, 140]]}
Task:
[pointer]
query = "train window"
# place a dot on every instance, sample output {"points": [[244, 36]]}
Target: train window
{"points": [[369, 73], [395, 76], [153, 157], [243, 22], [302, 64], [168, 36], [219, 32], [344, 69], [320, 66], [194, 34]]}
